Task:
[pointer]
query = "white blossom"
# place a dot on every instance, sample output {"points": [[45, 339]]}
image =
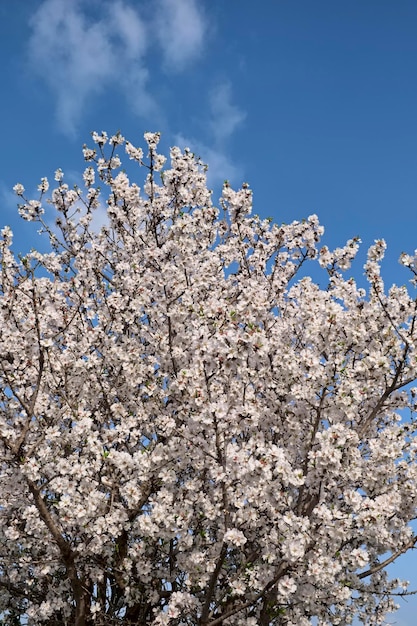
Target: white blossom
{"points": [[235, 537], [19, 189], [190, 431], [44, 185]]}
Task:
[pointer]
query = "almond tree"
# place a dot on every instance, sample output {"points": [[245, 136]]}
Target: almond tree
{"points": [[191, 434]]}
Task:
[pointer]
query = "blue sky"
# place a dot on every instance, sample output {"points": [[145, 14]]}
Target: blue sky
{"points": [[313, 103]]}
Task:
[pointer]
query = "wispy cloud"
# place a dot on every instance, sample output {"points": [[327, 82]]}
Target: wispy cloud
{"points": [[79, 55], [181, 28], [79, 58], [225, 116], [8, 199]]}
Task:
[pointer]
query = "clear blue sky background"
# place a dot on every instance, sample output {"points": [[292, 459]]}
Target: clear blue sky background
{"points": [[314, 103]]}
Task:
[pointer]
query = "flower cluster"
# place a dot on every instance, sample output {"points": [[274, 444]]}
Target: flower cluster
{"points": [[190, 434]]}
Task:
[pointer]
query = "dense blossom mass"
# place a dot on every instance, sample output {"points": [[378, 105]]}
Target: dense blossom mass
{"points": [[191, 432]]}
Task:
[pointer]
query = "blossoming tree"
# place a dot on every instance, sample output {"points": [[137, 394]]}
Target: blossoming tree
{"points": [[190, 433]]}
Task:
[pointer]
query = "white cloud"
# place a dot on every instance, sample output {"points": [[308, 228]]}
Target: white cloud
{"points": [[127, 25], [225, 116], [181, 28], [80, 51], [79, 58]]}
